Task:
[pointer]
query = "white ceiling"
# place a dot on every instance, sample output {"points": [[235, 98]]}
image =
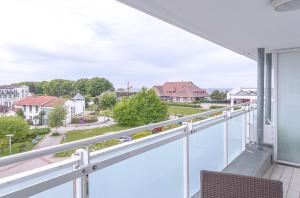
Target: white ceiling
{"points": [[239, 25]]}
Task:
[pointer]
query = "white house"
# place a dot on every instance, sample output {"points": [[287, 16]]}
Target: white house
{"points": [[75, 107], [241, 95], [10, 94], [37, 108]]}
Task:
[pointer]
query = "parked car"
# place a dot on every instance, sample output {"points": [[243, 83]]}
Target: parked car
{"points": [[157, 130], [125, 139]]}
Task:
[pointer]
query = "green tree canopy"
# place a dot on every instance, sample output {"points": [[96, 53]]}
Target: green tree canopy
{"points": [[218, 95], [142, 108], [57, 116], [99, 85], [82, 86], [60, 87], [107, 100], [13, 125]]}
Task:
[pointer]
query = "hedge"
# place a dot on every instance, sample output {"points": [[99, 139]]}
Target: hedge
{"points": [[216, 107], [41, 131], [141, 135], [184, 104]]}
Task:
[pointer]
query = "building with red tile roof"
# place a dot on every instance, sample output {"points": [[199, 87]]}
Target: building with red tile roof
{"points": [[180, 91], [36, 101], [32, 106]]}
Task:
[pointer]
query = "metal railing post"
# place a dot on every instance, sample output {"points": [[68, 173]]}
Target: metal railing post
{"points": [[81, 185], [245, 109], [225, 143], [186, 161]]}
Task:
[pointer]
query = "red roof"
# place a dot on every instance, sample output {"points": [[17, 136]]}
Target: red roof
{"points": [[57, 101], [45, 101], [180, 89]]}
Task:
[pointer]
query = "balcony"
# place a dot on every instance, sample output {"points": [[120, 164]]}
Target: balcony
{"points": [[166, 164]]}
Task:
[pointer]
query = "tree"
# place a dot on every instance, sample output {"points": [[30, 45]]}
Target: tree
{"points": [[20, 113], [107, 100], [41, 115], [218, 95], [57, 116], [13, 125], [142, 108], [82, 85], [67, 88], [99, 85]]}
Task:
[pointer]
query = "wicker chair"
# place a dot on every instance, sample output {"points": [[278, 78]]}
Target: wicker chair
{"points": [[225, 185]]}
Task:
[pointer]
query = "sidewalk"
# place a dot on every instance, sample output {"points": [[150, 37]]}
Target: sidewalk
{"points": [[101, 123]]}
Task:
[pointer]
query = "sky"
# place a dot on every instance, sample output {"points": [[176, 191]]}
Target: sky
{"points": [[72, 39]]}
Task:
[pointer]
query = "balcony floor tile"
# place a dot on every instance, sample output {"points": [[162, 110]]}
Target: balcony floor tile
{"points": [[290, 177]]}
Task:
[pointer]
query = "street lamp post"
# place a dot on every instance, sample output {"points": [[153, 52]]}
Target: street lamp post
{"points": [[9, 136]]}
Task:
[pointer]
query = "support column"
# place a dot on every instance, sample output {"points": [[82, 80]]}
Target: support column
{"points": [[260, 96], [268, 90]]}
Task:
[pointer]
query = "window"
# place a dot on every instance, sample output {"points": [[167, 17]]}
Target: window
{"points": [[30, 108], [24, 108], [36, 109]]}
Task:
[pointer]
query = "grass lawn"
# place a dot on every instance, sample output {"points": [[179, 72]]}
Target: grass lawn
{"points": [[184, 110], [81, 134]]}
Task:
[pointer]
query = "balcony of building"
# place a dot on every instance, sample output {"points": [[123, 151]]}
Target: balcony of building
{"points": [[248, 139]]}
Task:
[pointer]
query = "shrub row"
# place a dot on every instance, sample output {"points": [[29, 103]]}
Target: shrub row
{"points": [[216, 107], [141, 135], [178, 104], [32, 133], [40, 131]]}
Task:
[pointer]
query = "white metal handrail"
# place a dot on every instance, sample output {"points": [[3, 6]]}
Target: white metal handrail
{"points": [[153, 141], [93, 140]]}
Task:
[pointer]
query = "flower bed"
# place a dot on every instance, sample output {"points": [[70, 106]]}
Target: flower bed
{"points": [[84, 119]]}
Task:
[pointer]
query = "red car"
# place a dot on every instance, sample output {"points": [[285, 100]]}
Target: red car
{"points": [[157, 130]]}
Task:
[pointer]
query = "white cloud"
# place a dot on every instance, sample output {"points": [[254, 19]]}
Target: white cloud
{"points": [[49, 39]]}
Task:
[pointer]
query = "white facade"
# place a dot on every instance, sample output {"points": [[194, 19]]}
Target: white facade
{"points": [[241, 95], [74, 107], [32, 112], [11, 93]]}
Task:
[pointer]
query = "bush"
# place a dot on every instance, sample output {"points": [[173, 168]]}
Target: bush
{"points": [[29, 136], [105, 144], [84, 120], [90, 119], [13, 125], [20, 113], [216, 107], [178, 104], [55, 134], [41, 131], [141, 135]]}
